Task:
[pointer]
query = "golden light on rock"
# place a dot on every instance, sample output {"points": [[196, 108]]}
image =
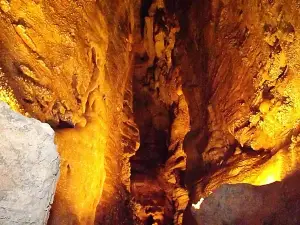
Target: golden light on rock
{"points": [[6, 94], [259, 171], [82, 173], [152, 101]]}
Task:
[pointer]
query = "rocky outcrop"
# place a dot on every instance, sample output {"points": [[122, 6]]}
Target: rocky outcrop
{"points": [[29, 166], [149, 98], [242, 204], [238, 65], [67, 63]]}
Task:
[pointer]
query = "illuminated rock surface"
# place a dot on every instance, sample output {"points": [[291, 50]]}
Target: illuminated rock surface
{"points": [[67, 63], [239, 71], [29, 166], [161, 115], [155, 103]]}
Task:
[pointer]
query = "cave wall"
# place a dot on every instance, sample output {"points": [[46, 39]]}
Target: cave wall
{"points": [[76, 65], [239, 64], [150, 98], [67, 63]]}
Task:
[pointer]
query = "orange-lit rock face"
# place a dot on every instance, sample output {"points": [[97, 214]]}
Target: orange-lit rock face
{"points": [[82, 152], [258, 101], [67, 63], [6, 94], [246, 76], [44, 42], [161, 113], [105, 73]]}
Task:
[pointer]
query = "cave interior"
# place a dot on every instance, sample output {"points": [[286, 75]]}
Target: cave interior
{"points": [[165, 112]]}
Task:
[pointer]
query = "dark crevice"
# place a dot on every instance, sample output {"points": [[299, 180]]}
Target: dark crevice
{"points": [[145, 5]]}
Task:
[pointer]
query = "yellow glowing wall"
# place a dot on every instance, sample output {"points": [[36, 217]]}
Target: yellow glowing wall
{"points": [[82, 174]]}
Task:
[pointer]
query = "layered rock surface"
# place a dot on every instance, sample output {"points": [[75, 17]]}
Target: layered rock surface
{"points": [[29, 166], [239, 64], [67, 63], [122, 82]]}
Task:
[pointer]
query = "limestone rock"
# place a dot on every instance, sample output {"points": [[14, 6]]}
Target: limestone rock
{"points": [[29, 166]]}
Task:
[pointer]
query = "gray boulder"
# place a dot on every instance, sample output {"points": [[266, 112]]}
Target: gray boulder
{"points": [[29, 169], [244, 204]]}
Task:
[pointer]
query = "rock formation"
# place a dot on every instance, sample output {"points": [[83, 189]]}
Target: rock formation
{"points": [[155, 103], [29, 165], [161, 114], [240, 84], [276, 203]]}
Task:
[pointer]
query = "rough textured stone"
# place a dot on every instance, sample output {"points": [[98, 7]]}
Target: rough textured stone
{"points": [[67, 63], [105, 73], [161, 113], [29, 166], [244, 204], [239, 64]]}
